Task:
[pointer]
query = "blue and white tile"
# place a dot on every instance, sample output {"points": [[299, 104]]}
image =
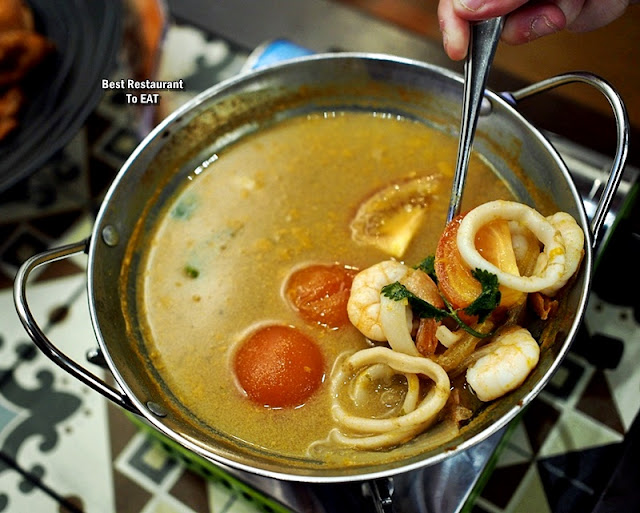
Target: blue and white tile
{"points": [[59, 433], [17, 495]]}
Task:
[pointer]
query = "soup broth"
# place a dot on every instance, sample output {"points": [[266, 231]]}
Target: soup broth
{"points": [[280, 199]]}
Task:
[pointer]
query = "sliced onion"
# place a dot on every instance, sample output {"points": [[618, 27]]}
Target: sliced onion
{"points": [[447, 337], [551, 238], [413, 393], [395, 317]]}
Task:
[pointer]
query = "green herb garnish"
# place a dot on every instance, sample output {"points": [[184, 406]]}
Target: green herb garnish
{"points": [[397, 291], [191, 271], [482, 306], [428, 265], [488, 299], [185, 208]]}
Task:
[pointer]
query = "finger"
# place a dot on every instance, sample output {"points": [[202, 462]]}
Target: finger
{"points": [[474, 10], [455, 31], [572, 8], [532, 22], [596, 14]]}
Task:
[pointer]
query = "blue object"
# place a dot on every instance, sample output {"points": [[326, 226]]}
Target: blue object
{"points": [[275, 50]]}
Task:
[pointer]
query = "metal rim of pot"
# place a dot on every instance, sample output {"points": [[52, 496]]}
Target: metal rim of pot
{"points": [[106, 234]]}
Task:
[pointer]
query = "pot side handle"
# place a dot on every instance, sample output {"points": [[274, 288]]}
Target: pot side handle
{"points": [[622, 129], [41, 340]]}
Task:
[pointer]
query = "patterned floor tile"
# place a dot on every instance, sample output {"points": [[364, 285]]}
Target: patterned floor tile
{"points": [[504, 482], [625, 380], [165, 505], [478, 508], [612, 393], [18, 494], [564, 381], [597, 402], [144, 461], [23, 243], [160, 481], [221, 500], [621, 494], [539, 419], [191, 489], [576, 432], [58, 431], [573, 481], [531, 495], [518, 448]]}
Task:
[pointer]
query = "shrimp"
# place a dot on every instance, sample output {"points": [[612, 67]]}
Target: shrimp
{"points": [[421, 284], [505, 364], [363, 306]]}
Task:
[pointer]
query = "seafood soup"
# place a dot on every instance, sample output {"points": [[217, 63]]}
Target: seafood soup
{"points": [[268, 278]]}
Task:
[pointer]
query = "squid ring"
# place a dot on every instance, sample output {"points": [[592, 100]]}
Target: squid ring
{"points": [[425, 411], [573, 238], [554, 248], [374, 441]]}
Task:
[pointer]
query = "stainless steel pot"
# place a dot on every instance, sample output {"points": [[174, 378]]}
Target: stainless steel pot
{"points": [[244, 104]]}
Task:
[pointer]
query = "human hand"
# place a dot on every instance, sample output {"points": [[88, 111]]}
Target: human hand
{"points": [[526, 21]]}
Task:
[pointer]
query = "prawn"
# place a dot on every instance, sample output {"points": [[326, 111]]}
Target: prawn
{"points": [[504, 364], [363, 306]]}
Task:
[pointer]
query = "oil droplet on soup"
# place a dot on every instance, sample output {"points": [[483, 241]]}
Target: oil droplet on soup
{"points": [[219, 260]]}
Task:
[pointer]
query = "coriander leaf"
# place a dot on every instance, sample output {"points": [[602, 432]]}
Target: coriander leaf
{"points": [[464, 326], [420, 307], [191, 271], [428, 266], [396, 291], [488, 299], [185, 208]]}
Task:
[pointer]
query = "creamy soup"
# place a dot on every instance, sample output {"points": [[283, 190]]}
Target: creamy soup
{"points": [[279, 200]]}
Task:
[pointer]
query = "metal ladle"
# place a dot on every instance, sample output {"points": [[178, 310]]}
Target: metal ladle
{"points": [[482, 47]]}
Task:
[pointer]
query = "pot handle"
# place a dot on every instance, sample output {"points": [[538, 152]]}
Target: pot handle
{"points": [[41, 340], [381, 493], [622, 129]]}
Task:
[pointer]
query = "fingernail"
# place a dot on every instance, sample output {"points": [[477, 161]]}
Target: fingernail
{"points": [[472, 5], [542, 26]]}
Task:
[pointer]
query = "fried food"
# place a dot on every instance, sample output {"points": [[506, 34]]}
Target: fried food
{"points": [[11, 102], [15, 15], [22, 50]]}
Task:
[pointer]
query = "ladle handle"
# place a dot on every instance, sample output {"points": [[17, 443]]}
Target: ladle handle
{"points": [[482, 47], [622, 132], [41, 340]]}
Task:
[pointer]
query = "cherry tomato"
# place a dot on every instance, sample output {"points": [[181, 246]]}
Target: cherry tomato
{"points": [[278, 366], [454, 276], [320, 293]]}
